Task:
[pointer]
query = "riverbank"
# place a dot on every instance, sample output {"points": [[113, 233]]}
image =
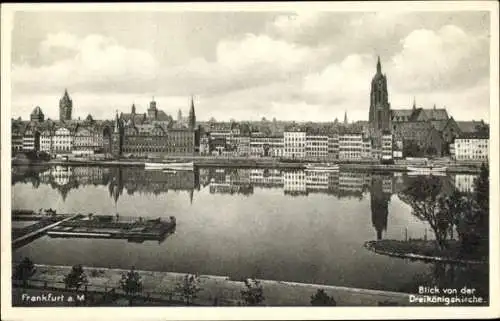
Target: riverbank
{"points": [[159, 286], [241, 162], [422, 250]]}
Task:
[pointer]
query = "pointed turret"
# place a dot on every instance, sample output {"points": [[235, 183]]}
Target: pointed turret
{"points": [[179, 116], [414, 103], [192, 116], [345, 118], [117, 123], [379, 66]]}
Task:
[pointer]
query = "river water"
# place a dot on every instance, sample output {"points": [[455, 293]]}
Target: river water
{"points": [[264, 223]]}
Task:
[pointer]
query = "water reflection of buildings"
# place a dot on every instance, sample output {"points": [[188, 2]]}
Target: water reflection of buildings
{"points": [[228, 181], [380, 195], [219, 180], [135, 180], [464, 182], [294, 182], [118, 179], [297, 182]]}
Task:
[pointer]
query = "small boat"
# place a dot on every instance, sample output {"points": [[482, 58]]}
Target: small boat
{"points": [[427, 169], [170, 166], [426, 174], [322, 167]]}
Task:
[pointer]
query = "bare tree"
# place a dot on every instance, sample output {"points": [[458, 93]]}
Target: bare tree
{"points": [[76, 278], [189, 288], [320, 298], [24, 271], [253, 294], [131, 284], [425, 198]]}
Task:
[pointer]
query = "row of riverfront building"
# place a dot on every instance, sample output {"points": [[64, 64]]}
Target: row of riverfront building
{"points": [[389, 133]]}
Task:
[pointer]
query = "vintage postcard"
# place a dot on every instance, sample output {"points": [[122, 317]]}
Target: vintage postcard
{"points": [[203, 161]]}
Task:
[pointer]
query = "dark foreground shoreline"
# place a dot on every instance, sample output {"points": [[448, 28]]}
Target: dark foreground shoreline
{"points": [[158, 289]]}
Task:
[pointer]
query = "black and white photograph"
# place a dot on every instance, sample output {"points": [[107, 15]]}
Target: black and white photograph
{"points": [[249, 155]]}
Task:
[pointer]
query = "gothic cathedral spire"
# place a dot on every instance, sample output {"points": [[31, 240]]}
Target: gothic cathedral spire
{"points": [[192, 116], [379, 115]]}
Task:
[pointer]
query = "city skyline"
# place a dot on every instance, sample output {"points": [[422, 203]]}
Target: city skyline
{"points": [[249, 65]]}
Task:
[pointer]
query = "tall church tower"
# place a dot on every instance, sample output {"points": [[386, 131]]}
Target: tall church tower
{"points": [[65, 107], [192, 116], [380, 109], [116, 137], [152, 110]]}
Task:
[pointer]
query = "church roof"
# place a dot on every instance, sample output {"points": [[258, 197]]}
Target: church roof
{"points": [[436, 114], [413, 130], [137, 118], [469, 126], [402, 112], [439, 124], [162, 116]]}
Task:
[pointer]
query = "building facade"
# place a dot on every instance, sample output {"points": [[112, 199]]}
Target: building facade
{"points": [[471, 147], [317, 146], [46, 139], [31, 138], [262, 145], [85, 142], [333, 146], [350, 146], [62, 141], [294, 144]]}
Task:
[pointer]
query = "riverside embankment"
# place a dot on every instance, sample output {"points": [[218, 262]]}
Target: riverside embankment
{"points": [[264, 162], [215, 289]]}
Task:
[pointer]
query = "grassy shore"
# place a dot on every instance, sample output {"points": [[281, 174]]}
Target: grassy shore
{"points": [[159, 287], [424, 250]]}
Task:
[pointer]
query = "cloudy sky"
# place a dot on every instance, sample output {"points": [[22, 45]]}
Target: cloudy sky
{"points": [[248, 65]]}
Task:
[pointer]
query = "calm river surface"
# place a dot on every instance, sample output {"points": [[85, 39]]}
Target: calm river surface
{"points": [[266, 223]]}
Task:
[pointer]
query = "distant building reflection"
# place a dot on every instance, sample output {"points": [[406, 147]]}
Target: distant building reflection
{"points": [[380, 195], [464, 182], [132, 180]]}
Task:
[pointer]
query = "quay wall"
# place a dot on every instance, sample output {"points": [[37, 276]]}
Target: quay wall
{"points": [[262, 163], [220, 289]]}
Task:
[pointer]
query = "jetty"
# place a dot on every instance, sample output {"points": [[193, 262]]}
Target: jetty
{"points": [[28, 234], [111, 227], [77, 225]]}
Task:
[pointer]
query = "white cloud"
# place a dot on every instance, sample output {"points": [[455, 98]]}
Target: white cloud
{"points": [[341, 80], [96, 60], [435, 59], [312, 66], [296, 23]]}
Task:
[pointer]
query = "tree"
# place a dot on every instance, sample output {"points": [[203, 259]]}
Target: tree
{"points": [[253, 294], [411, 149], [322, 299], [482, 198], [425, 198], [76, 278], [24, 271], [189, 288], [131, 284]]}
